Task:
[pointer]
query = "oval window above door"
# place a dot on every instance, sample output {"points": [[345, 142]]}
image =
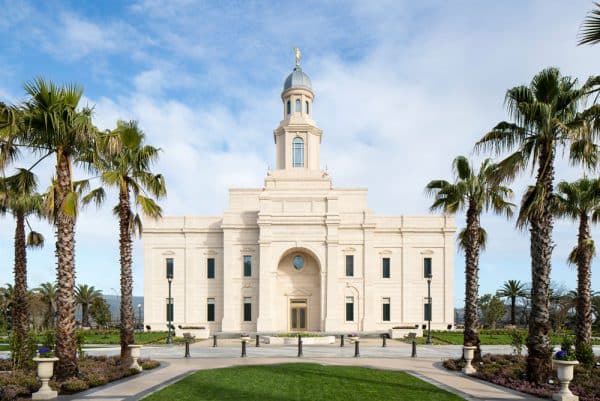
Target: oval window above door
{"points": [[298, 262]]}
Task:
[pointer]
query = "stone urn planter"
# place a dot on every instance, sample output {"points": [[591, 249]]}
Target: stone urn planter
{"points": [[469, 354], [353, 338], [245, 338], [135, 355], [564, 371], [45, 370]]}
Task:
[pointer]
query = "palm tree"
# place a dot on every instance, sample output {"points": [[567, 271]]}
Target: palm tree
{"points": [[48, 293], [512, 289], [546, 117], [580, 200], [53, 124], [124, 162], [85, 296], [475, 191], [589, 33], [22, 201]]}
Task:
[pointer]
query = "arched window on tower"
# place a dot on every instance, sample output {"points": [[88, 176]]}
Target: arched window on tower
{"points": [[289, 107], [298, 152], [307, 108], [298, 106]]}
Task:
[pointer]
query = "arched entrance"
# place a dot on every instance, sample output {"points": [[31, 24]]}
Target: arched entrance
{"points": [[299, 291]]}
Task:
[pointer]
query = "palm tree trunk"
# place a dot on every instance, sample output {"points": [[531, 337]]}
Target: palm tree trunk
{"points": [[513, 306], [127, 317], [471, 333], [85, 319], [541, 222], [583, 335], [66, 345], [21, 303]]}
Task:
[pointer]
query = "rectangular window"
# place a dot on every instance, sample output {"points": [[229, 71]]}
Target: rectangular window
{"points": [[349, 265], [386, 309], [247, 266], [210, 310], [349, 309], [386, 268], [169, 268], [427, 268], [247, 309], [210, 267]]}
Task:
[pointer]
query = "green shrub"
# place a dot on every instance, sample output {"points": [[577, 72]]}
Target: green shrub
{"points": [[73, 385], [149, 364], [517, 341], [585, 354]]}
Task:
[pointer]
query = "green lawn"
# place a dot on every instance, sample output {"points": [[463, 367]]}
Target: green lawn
{"points": [[487, 337], [112, 337], [301, 382]]}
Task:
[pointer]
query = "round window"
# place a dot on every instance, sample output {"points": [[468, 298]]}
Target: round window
{"points": [[298, 262]]}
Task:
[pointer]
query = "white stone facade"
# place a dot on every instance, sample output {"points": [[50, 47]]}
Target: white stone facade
{"points": [[298, 216]]}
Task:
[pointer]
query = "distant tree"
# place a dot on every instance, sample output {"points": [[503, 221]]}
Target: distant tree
{"points": [[100, 311], [85, 296], [512, 289], [492, 309], [476, 192], [589, 33], [48, 293]]}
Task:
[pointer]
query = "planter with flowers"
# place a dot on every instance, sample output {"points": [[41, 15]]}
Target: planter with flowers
{"points": [[352, 337], [45, 369], [564, 361]]}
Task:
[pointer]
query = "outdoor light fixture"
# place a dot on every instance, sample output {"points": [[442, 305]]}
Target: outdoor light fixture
{"points": [[427, 270], [170, 300]]}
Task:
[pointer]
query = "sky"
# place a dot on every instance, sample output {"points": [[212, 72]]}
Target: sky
{"points": [[402, 88]]}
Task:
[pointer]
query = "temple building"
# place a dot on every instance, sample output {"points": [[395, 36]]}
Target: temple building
{"points": [[299, 254]]}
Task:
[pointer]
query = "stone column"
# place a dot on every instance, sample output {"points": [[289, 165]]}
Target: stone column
{"points": [[333, 310], [371, 270], [231, 301]]}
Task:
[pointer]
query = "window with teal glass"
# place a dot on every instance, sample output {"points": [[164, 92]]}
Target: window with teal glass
{"points": [[298, 106], [349, 309], [386, 309], [247, 266], [289, 107], [210, 310], [349, 265], [307, 107], [386, 267], [298, 152], [210, 267]]}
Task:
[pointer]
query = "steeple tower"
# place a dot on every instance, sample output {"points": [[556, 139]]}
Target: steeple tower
{"points": [[297, 139]]}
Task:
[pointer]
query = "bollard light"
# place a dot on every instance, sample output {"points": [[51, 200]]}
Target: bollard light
{"points": [[356, 348], [300, 346], [342, 340]]}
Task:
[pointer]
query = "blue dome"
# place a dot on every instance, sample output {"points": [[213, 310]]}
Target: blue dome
{"points": [[297, 79]]}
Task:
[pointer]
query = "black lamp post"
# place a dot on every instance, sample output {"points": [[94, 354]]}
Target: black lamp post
{"points": [[140, 324], [170, 300], [428, 276]]}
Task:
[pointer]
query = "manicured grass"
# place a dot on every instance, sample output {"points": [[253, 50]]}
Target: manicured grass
{"points": [[301, 382], [487, 337], [112, 337]]}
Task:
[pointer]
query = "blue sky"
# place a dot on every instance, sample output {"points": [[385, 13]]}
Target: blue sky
{"points": [[401, 86]]}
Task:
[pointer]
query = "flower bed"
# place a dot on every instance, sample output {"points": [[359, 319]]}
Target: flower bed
{"points": [[94, 371], [509, 371]]}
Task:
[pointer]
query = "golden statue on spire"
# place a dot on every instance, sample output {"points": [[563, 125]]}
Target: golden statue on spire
{"points": [[298, 56]]}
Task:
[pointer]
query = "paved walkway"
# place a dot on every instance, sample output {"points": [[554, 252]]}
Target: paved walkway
{"points": [[426, 366]]}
